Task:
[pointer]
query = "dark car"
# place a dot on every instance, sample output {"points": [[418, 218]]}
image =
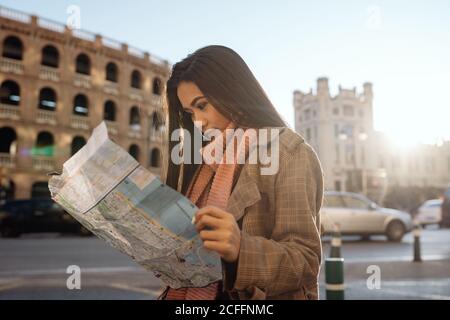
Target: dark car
{"points": [[36, 215], [445, 217]]}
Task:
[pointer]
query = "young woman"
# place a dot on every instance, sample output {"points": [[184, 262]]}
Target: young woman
{"points": [[265, 227]]}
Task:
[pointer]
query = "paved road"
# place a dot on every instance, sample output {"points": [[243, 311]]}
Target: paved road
{"points": [[34, 267]]}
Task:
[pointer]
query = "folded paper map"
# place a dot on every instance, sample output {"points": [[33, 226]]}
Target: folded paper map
{"points": [[112, 195]]}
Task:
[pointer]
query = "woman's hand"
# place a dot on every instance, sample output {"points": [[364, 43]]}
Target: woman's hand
{"points": [[219, 231]]}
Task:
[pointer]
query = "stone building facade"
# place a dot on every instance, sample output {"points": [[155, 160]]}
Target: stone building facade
{"points": [[357, 158], [57, 84]]}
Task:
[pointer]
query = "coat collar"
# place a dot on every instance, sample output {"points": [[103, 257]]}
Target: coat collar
{"points": [[246, 192]]}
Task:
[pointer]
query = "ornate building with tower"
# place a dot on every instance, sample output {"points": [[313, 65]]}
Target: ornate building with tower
{"points": [[57, 84], [354, 156], [340, 129]]}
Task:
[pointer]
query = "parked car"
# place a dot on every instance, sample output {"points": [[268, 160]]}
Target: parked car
{"points": [[357, 215], [36, 215], [445, 210], [429, 212]]}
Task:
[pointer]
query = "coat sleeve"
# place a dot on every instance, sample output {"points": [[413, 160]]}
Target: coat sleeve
{"points": [[291, 257]]}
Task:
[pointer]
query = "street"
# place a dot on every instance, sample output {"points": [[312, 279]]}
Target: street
{"points": [[34, 267]]}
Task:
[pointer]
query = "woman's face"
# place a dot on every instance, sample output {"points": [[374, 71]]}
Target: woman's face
{"points": [[194, 103]]}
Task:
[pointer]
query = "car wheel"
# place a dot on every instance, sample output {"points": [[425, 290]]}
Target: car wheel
{"points": [[395, 231]]}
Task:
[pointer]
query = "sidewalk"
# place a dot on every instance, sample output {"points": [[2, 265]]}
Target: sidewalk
{"points": [[400, 280]]}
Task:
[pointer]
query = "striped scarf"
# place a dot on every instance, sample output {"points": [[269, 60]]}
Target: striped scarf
{"points": [[212, 185]]}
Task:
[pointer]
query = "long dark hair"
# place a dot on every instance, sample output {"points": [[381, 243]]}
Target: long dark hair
{"points": [[227, 82]]}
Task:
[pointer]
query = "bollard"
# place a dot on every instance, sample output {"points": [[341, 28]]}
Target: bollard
{"points": [[416, 233], [336, 243], [334, 278]]}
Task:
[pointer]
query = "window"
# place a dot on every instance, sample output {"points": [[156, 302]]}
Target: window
{"points": [[44, 145], [134, 151], [336, 130], [157, 122], [80, 105], [333, 201], [8, 141], [157, 86], [349, 111], [50, 56], [83, 64], [111, 72], [10, 93], [109, 111], [77, 143], [135, 119], [12, 48], [47, 99], [155, 158], [307, 114], [308, 134], [338, 154], [355, 203], [136, 79]]}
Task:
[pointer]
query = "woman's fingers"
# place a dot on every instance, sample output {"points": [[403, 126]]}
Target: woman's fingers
{"points": [[213, 235], [211, 211], [206, 221], [220, 247]]}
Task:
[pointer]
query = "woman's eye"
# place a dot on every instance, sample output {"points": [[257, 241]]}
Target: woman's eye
{"points": [[202, 106]]}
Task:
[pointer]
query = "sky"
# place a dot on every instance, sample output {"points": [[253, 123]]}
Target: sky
{"points": [[401, 47]]}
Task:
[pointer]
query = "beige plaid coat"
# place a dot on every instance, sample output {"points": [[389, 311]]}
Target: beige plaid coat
{"points": [[281, 250]]}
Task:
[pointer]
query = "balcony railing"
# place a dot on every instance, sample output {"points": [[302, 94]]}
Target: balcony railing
{"points": [[43, 163], [136, 94], [156, 135], [46, 117], [79, 122], [82, 80], [9, 112], [134, 131], [11, 66], [111, 88], [48, 73], [112, 127], [7, 160], [156, 100]]}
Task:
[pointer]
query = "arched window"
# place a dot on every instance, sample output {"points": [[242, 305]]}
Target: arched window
{"points": [[40, 190], [44, 145], [80, 105], [134, 151], [9, 188], [111, 72], [136, 79], [156, 86], [83, 64], [10, 93], [47, 99], [155, 158], [12, 48], [8, 141], [77, 143], [135, 119], [109, 111], [157, 121], [50, 56]]}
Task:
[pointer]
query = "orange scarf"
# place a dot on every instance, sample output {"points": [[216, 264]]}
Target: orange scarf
{"points": [[202, 191]]}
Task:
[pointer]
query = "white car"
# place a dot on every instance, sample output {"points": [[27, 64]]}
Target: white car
{"points": [[429, 212], [357, 215]]}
